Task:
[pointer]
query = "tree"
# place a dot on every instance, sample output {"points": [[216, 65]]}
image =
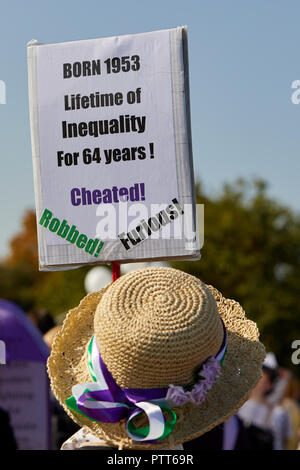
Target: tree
{"points": [[23, 283], [251, 253], [23, 246]]}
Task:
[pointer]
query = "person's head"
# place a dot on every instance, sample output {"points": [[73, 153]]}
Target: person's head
{"points": [[155, 357], [270, 372]]}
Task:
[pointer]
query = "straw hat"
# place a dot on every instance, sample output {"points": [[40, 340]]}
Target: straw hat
{"points": [[156, 329]]}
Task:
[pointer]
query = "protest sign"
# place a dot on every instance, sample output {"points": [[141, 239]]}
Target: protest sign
{"points": [[111, 144], [24, 385]]}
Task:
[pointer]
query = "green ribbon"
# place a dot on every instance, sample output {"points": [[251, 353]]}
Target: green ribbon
{"points": [[144, 431]]}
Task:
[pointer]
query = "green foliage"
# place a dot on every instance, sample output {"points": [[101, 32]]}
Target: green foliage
{"points": [[251, 253], [23, 283], [61, 290]]}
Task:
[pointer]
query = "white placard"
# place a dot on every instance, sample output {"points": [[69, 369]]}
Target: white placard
{"points": [[24, 394], [111, 147]]}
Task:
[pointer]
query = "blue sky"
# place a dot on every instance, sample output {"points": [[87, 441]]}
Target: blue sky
{"points": [[244, 56]]}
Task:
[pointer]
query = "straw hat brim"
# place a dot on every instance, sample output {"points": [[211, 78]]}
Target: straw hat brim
{"points": [[241, 370]]}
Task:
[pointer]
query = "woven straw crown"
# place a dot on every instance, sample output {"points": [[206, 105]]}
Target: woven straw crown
{"points": [[155, 327]]}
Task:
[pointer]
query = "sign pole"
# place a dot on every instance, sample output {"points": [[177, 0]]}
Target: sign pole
{"points": [[115, 265]]}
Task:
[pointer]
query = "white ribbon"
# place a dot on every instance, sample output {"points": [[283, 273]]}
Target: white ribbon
{"points": [[156, 421]]}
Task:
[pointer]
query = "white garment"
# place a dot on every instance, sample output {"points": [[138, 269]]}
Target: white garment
{"points": [[84, 438], [253, 412], [281, 426], [275, 419]]}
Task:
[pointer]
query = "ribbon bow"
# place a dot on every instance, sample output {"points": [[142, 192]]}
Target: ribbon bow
{"points": [[103, 400]]}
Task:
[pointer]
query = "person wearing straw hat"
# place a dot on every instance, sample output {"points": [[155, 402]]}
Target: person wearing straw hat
{"points": [[155, 359]]}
